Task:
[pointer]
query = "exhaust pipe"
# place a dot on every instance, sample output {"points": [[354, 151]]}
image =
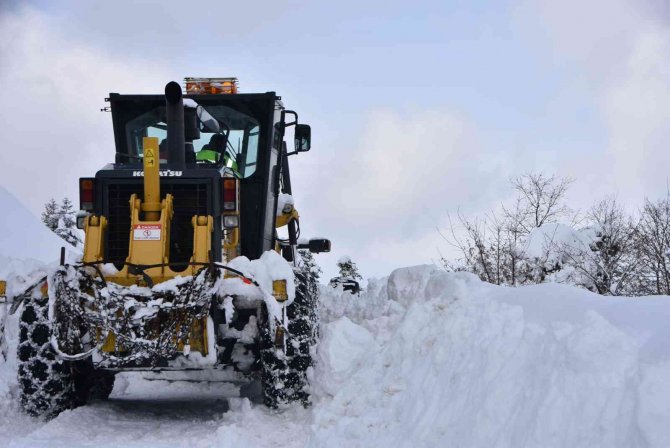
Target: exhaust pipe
{"points": [[174, 106]]}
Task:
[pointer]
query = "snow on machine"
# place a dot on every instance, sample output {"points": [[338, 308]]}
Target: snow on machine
{"points": [[183, 268]]}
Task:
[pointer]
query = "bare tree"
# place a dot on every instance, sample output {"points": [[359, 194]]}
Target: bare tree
{"points": [[473, 247], [540, 199], [515, 233], [493, 247], [604, 260], [653, 247], [611, 253]]}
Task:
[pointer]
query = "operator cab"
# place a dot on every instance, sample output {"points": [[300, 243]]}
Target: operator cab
{"points": [[220, 130], [231, 165]]}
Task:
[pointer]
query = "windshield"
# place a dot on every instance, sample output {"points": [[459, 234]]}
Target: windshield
{"points": [[231, 141]]}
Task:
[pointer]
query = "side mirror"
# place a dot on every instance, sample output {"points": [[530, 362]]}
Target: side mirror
{"points": [[303, 138], [316, 245]]}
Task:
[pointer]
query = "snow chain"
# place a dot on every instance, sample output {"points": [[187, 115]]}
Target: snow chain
{"points": [[148, 324]]}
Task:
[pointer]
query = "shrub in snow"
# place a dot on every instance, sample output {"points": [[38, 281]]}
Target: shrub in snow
{"points": [[348, 268]]}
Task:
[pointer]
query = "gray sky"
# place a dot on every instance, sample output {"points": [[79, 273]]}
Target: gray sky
{"points": [[416, 110]]}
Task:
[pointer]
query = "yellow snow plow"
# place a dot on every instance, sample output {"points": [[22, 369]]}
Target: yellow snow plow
{"points": [[183, 268]]}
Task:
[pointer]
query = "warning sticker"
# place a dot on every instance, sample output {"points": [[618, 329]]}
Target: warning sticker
{"points": [[149, 158], [147, 232]]}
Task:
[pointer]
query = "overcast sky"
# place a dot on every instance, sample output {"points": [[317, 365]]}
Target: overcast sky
{"points": [[418, 109]]}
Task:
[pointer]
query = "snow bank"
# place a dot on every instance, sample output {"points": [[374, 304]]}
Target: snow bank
{"points": [[344, 348], [472, 364]]}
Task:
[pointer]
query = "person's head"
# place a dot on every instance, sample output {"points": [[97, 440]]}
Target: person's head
{"points": [[217, 143], [162, 149]]}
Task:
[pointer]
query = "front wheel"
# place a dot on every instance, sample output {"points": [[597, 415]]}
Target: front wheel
{"points": [[284, 373], [49, 385]]}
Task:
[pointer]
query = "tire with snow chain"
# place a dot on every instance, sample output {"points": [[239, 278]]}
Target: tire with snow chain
{"points": [[273, 366], [303, 327], [284, 375], [49, 385]]}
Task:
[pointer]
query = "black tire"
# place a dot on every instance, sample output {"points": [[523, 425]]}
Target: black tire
{"points": [[49, 385], [284, 375], [90, 383], [303, 327], [274, 366]]}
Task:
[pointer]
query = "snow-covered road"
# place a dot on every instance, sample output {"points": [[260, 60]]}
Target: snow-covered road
{"points": [[165, 414]]}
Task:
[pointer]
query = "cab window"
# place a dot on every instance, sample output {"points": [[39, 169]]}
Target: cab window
{"points": [[234, 144]]}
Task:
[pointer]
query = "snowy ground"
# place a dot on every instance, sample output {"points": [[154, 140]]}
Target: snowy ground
{"points": [[422, 359]]}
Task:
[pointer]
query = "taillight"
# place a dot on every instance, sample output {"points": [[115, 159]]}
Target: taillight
{"points": [[86, 193], [229, 195]]}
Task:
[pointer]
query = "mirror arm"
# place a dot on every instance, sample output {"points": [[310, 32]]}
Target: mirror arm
{"points": [[286, 125], [283, 118]]}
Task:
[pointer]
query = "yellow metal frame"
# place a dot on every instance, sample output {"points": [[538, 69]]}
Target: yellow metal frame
{"points": [[285, 218], [153, 248], [279, 290]]}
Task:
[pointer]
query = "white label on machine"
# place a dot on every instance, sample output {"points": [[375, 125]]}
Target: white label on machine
{"points": [[147, 232]]}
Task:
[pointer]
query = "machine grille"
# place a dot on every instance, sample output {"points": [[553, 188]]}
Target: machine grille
{"points": [[189, 199]]}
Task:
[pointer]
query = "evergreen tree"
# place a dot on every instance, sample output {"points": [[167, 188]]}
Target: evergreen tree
{"points": [[67, 223], [309, 263], [50, 215], [62, 220], [348, 268]]}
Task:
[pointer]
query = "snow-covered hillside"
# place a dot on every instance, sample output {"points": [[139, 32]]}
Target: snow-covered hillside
{"points": [[424, 358], [22, 235], [27, 246]]}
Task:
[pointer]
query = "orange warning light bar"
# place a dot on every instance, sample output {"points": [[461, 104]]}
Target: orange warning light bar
{"points": [[210, 86]]}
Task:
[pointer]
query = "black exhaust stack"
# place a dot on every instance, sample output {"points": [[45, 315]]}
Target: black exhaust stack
{"points": [[174, 107]]}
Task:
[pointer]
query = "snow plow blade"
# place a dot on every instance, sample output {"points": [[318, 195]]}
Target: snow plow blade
{"points": [[133, 326]]}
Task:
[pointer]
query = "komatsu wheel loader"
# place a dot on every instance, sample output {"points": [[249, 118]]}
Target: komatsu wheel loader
{"points": [[183, 268]]}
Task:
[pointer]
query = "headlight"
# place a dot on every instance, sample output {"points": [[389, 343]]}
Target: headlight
{"points": [[231, 221], [81, 219]]}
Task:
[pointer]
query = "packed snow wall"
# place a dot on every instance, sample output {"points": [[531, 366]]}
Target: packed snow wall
{"points": [[430, 358]]}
